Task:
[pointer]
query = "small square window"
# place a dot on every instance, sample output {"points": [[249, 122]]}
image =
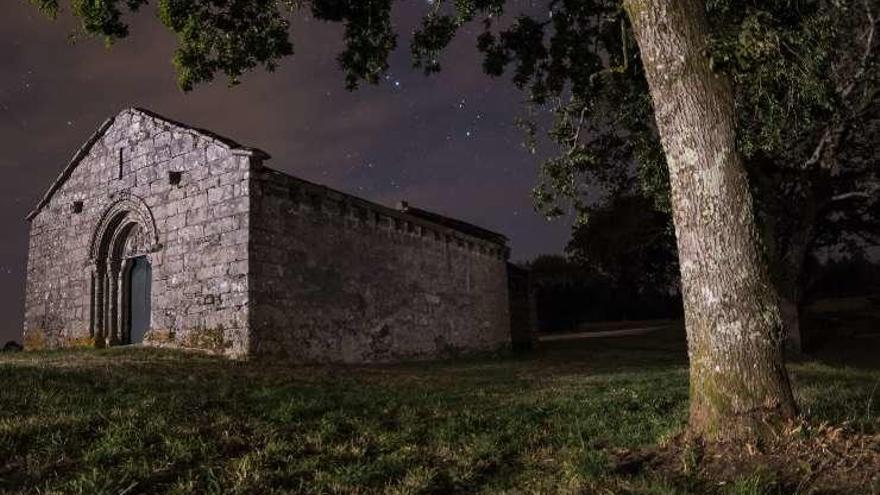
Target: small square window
{"points": [[174, 178], [76, 207]]}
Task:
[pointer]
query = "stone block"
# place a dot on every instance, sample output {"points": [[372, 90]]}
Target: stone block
{"points": [[219, 194]]}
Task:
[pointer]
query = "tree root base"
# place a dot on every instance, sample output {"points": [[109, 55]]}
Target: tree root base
{"points": [[799, 458]]}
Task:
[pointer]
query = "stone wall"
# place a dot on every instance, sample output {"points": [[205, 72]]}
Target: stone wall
{"points": [[337, 278], [200, 263]]}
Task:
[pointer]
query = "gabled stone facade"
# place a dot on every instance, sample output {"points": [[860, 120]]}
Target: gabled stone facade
{"points": [[244, 260]]}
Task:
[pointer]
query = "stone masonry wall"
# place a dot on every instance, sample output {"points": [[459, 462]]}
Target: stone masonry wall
{"points": [[336, 278], [200, 267]]}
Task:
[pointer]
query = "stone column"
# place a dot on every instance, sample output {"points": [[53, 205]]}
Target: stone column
{"points": [[99, 286], [108, 306], [92, 298], [123, 332], [113, 314]]}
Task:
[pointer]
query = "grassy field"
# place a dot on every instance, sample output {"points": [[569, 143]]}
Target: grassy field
{"points": [[149, 421]]}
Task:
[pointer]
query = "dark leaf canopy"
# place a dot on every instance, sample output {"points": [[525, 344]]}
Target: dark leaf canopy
{"points": [[805, 74]]}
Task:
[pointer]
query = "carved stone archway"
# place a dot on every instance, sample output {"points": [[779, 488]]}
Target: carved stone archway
{"points": [[126, 230]]}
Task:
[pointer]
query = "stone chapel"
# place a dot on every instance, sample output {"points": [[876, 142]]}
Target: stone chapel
{"points": [[158, 233]]}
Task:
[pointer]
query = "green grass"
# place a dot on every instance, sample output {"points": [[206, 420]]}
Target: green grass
{"points": [[151, 421]]}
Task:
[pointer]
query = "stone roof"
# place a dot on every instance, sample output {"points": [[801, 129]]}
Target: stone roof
{"points": [[98, 134], [454, 223]]}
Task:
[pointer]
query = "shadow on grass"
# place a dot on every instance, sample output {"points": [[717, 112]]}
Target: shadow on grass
{"points": [[154, 421]]}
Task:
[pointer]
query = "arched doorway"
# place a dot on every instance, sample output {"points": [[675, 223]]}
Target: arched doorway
{"points": [[121, 273], [140, 281]]}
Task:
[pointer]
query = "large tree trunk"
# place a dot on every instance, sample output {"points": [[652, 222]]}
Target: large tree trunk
{"points": [[738, 380], [790, 275], [791, 318], [789, 224]]}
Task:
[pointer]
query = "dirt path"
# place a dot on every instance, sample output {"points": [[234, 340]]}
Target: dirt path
{"points": [[607, 333]]}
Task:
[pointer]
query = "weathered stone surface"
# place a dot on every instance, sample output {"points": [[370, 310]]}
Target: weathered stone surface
{"points": [[336, 278], [186, 261], [249, 261]]}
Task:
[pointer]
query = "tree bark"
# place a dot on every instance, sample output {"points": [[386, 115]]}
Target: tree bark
{"points": [[790, 276], [791, 319], [738, 380]]}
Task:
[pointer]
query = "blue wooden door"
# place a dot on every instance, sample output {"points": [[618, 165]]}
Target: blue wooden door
{"points": [[141, 280]]}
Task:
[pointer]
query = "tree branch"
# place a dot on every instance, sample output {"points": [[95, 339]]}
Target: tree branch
{"points": [[869, 46], [829, 132], [577, 133], [852, 194]]}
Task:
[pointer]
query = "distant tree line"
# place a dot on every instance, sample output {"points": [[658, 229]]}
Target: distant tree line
{"points": [[845, 277], [566, 302], [622, 264], [619, 265]]}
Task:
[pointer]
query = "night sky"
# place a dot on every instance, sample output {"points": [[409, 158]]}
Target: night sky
{"points": [[446, 143]]}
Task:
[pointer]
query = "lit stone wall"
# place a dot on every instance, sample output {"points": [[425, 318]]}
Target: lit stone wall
{"points": [[200, 263], [336, 278]]}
